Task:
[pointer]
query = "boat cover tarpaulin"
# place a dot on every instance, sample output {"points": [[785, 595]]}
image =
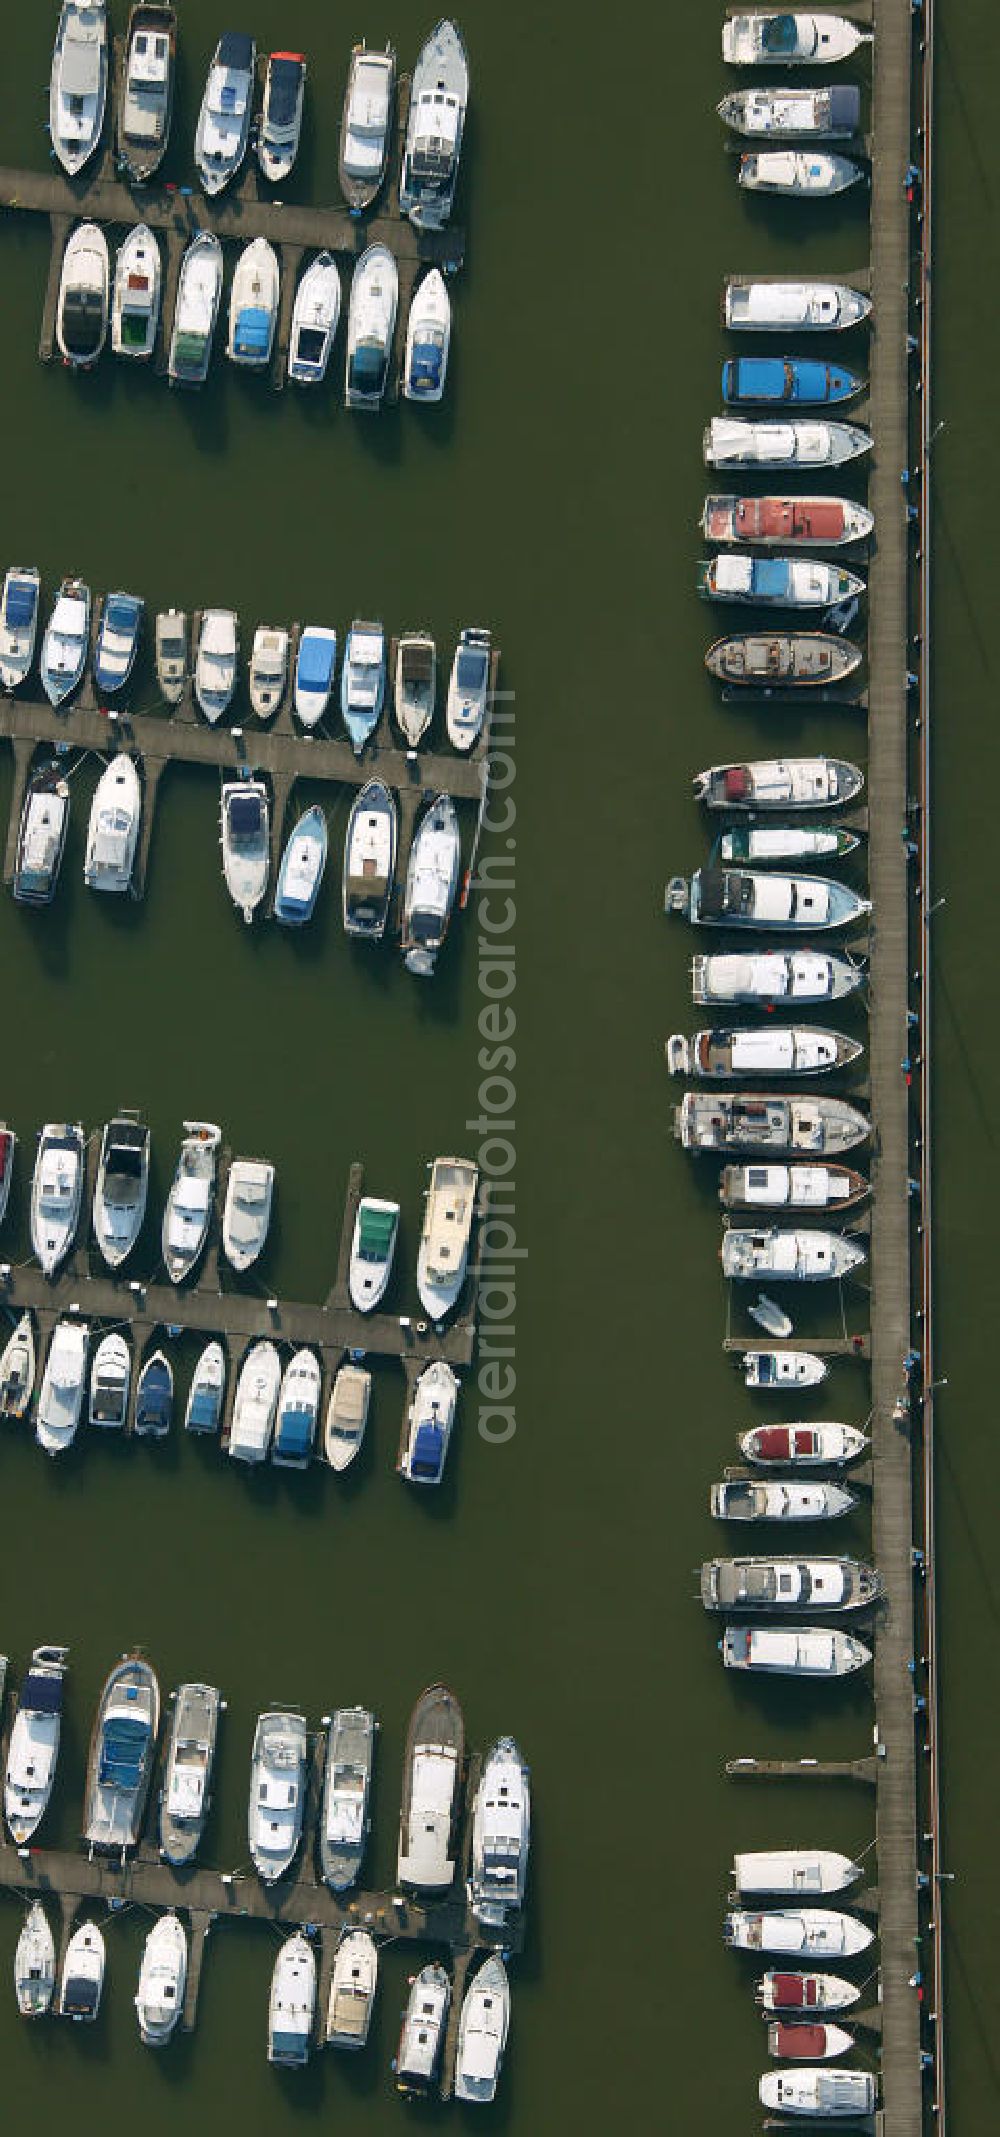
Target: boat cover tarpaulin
{"points": [[42, 1694], [316, 659], [245, 816], [236, 51], [19, 608], [123, 1750], [284, 75], [845, 107], [428, 1452], [796, 1991], [800, 2043], [253, 331], [425, 369], [376, 1233], [779, 35]]}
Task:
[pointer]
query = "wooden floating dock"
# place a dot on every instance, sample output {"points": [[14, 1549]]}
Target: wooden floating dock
{"points": [[864, 1770], [857, 1346]]}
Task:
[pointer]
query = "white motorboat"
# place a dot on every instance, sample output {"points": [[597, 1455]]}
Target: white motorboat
{"points": [[268, 669], [188, 1210], [314, 672], [760, 1050], [246, 842], [186, 1796], [366, 125], [344, 1820], [795, 582], [501, 1836], [255, 1403], [734, 441], [482, 2031], [777, 660], [223, 129], [196, 311], [347, 1415], [362, 682], [807, 1932], [56, 1192], [468, 688], [297, 1413], [303, 864], [773, 977], [110, 1381], [433, 1772], [66, 641], [805, 1994], [428, 340], [439, 96], [774, 1371], [145, 102], [772, 307], [806, 1187], [215, 661], [19, 604], [138, 288], [745, 1120], [799, 174], [281, 115], [826, 2093], [753, 1499], [352, 1990], [829, 113], [171, 653], [421, 2041], [113, 833], [17, 1369], [35, 1964], [292, 2006], [430, 1421], [779, 783], [122, 1187], [790, 1257], [83, 304], [759, 39], [779, 1584], [159, 1998], [415, 685], [431, 886], [376, 1230], [207, 1391], [315, 316], [370, 862], [33, 1749], [122, 1756], [794, 1872], [82, 1979], [247, 1212], [769, 843], [819, 1445], [793, 1651], [253, 305], [41, 841], [118, 635], [808, 2042], [154, 1398], [732, 898], [447, 1230], [371, 321], [277, 1792], [78, 84]]}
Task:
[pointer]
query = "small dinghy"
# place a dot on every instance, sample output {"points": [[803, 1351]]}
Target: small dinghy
{"points": [[829, 2094], [113, 832], [773, 307], [122, 1187], [315, 316], [428, 340], [449, 1212], [774, 977], [482, 2032], [138, 286], [159, 1999], [17, 1369], [223, 131], [255, 1404], [207, 1391], [731, 898], [196, 311], [804, 1257], [808, 2044], [792, 1651], [253, 305], [376, 1230], [171, 653], [798, 174], [19, 605], [761, 40], [8, 1145], [215, 662], [769, 1315], [369, 862], [343, 1836], [803, 1446], [794, 1872], [188, 1211], [268, 669], [302, 867], [415, 685], [760, 1050], [314, 671], [371, 322], [154, 1398], [779, 114], [806, 1187], [806, 1931], [776, 582], [280, 126], [33, 1750], [788, 842], [35, 1965], [146, 94], [352, 1990], [66, 641], [246, 842], [468, 689], [773, 1371], [362, 683], [807, 1993], [804, 522], [817, 1127], [429, 1425], [439, 95], [41, 839], [422, 2039], [431, 886], [347, 1416], [292, 2006], [110, 1381], [297, 1413], [84, 298], [56, 1192], [748, 1499], [277, 1792], [366, 126], [78, 84], [780, 783], [118, 637], [187, 1773], [795, 381], [729, 441], [82, 1975]]}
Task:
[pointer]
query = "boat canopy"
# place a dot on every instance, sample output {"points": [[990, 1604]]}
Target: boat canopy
{"points": [[368, 366], [236, 51], [376, 1232], [428, 1452], [21, 602], [284, 76], [253, 331], [42, 1694], [317, 654], [123, 1751], [779, 34], [294, 1436], [425, 367], [81, 62], [245, 815], [845, 107], [471, 672]]}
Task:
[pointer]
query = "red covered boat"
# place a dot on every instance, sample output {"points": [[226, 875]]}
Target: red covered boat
{"points": [[808, 522], [803, 1445], [807, 2044], [776, 1991]]}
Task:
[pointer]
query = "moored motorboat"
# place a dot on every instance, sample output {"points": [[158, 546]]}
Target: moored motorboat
{"points": [[421, 2041], [56, 1192], [759, 39], [824, 1444], [297, 1413], [806, 1187], [188, 1210], [223, 129], [35, 1964], [110, 1381], [247, 1212], [113, 832], [315, 315], [373, 1246], [246, 842], [826, 2093], [280, 123], [159, 1998], [122, 1186], [370, 861], [33, 1747], [345, 1813], [78, 84], [433, 1773], [805, 522], [122, 1754], [428, 340], [776, 581], [791, 1872], [352, 1990], [760, 1050], [774, 976], [831, 113], [798, 174], [82, 1979], [482, 2031], [792, 1651], [66, 641], [196, 311], [366, 125], [215, 661], [60, 1397], [787, 1257], [186, 1795], [808, 2043], [315, 663], [207, 1391], [371, 321], [268, 669], [777, 1584], [787, 842], [820, 1932], [118, 634], [19, 604], [347, 1415], [468, 688], [809, 1993], [41, 839], [254, 1405], [774, 381], [742, 898], [302, 868], [780, 783], [501, 1836], [253, 305], [431, 886], [83, 304], [774, 306], [753, 1499], [439, 96], [723, 1120], [732, 441], [277, 1792], [292, 2006], [443, 1255], [17, 1369], [430, 1421], [154, 1398], [135, 302], [8, 1145], [775, 1371], [146, 93], [415, 685], [362, 682], [171, 653]]}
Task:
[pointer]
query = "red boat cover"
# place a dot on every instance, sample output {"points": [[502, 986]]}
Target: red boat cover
{"points": [[804, 1440], [774, 1443], [737, 782], [803, 2044], [794, 1991], [791, 519]]}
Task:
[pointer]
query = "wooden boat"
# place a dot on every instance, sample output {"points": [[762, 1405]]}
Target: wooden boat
{"points": [[433, 1774], [802, 522], [145, 99], [800, 1187], [790, 660], [366, 125]]}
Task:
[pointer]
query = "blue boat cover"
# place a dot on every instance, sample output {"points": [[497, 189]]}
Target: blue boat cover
{"points": [[284, 76], [123, 1749], [42, 1695], [471, 668], [236, 51], [754, 378], [122, 612], [770, 578], [368, 368], [780, 34], [427, 1459], [253, 331], [845, 106], [811, 380], [22, 598], [425, 369], [204, 1412], [244, 815], [295, 1431], [315, 663]]}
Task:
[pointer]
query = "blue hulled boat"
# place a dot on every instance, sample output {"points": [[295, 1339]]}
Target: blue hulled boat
{"points": [[772, 381]]}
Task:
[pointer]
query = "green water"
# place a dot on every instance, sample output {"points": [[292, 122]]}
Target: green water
{"points": [[555, 496]]}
